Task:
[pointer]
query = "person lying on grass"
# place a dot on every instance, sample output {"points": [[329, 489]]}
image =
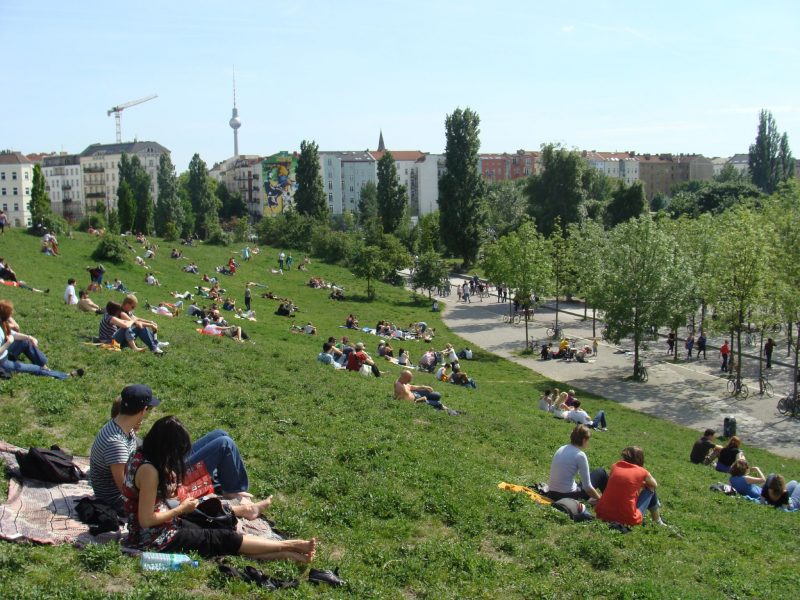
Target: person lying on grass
{"points": [[580, 416], [116, 442], [570, 460], [231, 331], [630, 490], [14, 344], [147, 486], [403, 390]]}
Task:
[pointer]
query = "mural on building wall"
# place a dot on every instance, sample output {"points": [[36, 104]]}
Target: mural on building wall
{"points": [[280, 182]]}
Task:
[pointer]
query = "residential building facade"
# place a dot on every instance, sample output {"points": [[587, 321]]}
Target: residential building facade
{"points": [[344, 174], [242, 174], [505, 166], [16, 181], [64, 185]]}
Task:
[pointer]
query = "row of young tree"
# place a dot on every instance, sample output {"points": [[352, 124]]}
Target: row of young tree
{"points": [[737, 271]]}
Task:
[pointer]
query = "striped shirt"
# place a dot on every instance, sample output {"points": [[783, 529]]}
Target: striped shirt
{"points": [[107, 329], [112, 446]]}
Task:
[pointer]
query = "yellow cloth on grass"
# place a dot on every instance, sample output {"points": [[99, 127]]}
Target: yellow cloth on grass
{"points": [[535, 496]]}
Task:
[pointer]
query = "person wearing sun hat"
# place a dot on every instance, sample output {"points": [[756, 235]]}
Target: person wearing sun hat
{"points": [[116, 442]]}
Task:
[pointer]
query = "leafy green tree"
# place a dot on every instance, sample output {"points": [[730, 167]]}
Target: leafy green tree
{"points": [[40, 202], [589, 239], [639, 281], [562, 258], [597, 185], [712, 197], [368, 203], [770, 159], [232, 205], [557, 191], [368, 263], [113, 221], [395, 256], [126, 206], [731, 174], [506, 204], [310, 196], [140, 186], [392, 197], [627, 202], [430, 272], [520, 260], [430, 237], [169, 208], [462, 202], [200, 191], [738, 272]]}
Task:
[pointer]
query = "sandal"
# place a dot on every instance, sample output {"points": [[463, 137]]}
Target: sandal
{"points": [[329, 577]]}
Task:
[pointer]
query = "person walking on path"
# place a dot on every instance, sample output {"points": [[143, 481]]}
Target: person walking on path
{"points": [[595, 347], [701, 345], [768, 348], [670, 343], [499, 293], [724, 352], [689, 346]]}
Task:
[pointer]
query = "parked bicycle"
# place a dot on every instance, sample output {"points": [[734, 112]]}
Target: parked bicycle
{"points": [[640, 371], [765, 386], [787, 405], [555, 332], [737, 387]]}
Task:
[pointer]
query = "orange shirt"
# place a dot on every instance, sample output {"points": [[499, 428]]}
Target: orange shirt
{"points": [[618, 502]]}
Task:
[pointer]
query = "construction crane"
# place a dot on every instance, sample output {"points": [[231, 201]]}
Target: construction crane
{"points": [[116, 110]]}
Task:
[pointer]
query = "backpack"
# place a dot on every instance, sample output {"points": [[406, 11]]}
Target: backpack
{"points": [[52, 465], [576, 510]]}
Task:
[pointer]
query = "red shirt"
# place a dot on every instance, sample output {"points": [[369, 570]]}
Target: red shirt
{"points": [[724, 350], [355, 360], [618, 502]]}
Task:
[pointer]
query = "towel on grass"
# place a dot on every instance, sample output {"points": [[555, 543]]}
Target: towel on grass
{"points": [[533, 495]]}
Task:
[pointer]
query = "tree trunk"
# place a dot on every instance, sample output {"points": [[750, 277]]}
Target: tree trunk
{"points": [[585, 309], [789, 338], [796, 356], [594, 322], [557, 290], [760, 364], [526, 331], [675, 344], [635, 342], [702, 315]]}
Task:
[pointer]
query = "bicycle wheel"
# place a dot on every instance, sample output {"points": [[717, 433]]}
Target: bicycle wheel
{"points": [[784, 406], [551, 333], [744, 391], [732, 387], [517, 319], [767, 389], [643, 376], [506, 318]]}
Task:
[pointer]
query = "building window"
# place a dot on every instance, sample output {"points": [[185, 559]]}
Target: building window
{"points": [[330, 184], [26, 176], [16, 192], [2, 175], [5, 207], [330, 198], [4, 191], [14, 175], [27, 191], [16, 207]]}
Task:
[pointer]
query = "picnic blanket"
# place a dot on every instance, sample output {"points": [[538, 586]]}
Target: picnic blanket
{"points": [[44, 513], [533, 495]]}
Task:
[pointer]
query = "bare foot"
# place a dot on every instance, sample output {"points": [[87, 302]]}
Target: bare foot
{"points": [[243, 497], [252, 510]]}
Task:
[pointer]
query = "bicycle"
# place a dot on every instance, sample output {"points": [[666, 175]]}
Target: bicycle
{"points": [[555, 332], [787, 405], [737, 387], [749, 338], [640, 371], [765, 386]]}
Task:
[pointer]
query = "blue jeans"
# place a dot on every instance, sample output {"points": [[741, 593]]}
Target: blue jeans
{"points": [[123, 336], [222, 459], [24, 347], [432, 398], [599, 420], [16, 366], [647, 500]]}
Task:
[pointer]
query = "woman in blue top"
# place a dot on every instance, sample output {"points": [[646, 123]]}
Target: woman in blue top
{"points": [[746, 485]]}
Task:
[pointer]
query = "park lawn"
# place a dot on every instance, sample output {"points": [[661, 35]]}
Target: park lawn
{"points": [[403, 498]]}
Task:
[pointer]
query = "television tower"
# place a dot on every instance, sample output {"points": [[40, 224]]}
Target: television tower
{"points": [[235, 121]]}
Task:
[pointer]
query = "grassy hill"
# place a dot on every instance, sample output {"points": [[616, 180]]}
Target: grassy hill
{"points": [[403, 498]]}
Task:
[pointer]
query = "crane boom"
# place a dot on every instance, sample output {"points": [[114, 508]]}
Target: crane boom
{"points": [[116, 110]]}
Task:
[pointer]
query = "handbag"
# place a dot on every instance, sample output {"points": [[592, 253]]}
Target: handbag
{"points": [[212, 513]]}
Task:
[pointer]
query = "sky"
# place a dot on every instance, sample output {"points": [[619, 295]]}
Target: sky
{"points": [[680, 76]]}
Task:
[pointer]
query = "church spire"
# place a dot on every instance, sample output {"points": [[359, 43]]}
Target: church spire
{"points": [[381, 145]]}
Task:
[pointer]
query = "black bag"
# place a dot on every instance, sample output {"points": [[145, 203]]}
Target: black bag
{"points": [[52, 465], [213, 514], [576, 510]]}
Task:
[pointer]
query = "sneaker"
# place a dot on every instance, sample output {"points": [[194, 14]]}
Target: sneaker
{"points": [[158, 351], [163, 344]]}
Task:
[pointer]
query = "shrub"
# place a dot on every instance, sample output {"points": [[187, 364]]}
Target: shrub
{"points": [[111, 248], [289, 229], [218, 237], [332, 246], [171, 232], [51, 222], [93, 220]]}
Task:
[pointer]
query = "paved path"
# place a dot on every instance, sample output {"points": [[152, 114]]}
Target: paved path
{"points": [[692, 393]]}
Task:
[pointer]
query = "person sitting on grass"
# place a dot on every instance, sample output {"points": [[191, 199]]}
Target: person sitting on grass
{"points": [[705, 450], [403, 390], [385, 349], [116, 442], [546, 402], [729, 454], [116, 328], [14, 344], [229, 304], [570, 460], [148, 487], [351, 322], [746, 480], [358, 358], [70, 297], [428, 361], [85, 304], [144, 329], [327, 356], [630, 490], [580, 416], [442, 373], [96, 277], [150, 279], [776, 492], [403, 358], [459, 377]]}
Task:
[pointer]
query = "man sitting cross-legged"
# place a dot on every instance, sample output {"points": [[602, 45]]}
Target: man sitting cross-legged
{"points": [[581, 417], [116, 442], [403, 390]]}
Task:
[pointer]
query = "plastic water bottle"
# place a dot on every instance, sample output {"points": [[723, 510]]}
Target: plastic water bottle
{"points": [[159, 561]]}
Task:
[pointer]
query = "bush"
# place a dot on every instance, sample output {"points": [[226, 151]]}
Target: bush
{"points": [[51, 222], [111, 248], [171, 232], [332, 246], [218, 237], [92, 220], [288, 230]]}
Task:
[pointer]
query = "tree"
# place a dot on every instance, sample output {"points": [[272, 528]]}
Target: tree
{"points": [[113, 221], [40, 202], [519, 260], [506, 204], [730, 174], [310, 195], [367, 203], [627, 202], [430, 238], [392, 197], [557, 192], [169, 208], [770, 158], [462, 203], [639, 281], [430, 272], [712, 197], [367, 263], [200, 191], [591, 238], [232, 206], [126, 206], [561, 251], [140, 186]]}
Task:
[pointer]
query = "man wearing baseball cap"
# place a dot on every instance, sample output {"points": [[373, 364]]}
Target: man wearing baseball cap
{"points": [[116, 442]]}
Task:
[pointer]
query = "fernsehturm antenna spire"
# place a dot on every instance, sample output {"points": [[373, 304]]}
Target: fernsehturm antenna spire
{"points": [[235, 121]]}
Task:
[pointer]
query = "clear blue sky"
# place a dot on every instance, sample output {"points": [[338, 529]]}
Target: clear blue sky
{"points": [[680, 76]]}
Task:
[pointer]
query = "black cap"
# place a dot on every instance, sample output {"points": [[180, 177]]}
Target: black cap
{"points": [[137, 397]]}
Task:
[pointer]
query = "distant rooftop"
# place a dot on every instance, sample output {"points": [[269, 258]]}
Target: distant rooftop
{"points": [[126, 147], [9, 157]]}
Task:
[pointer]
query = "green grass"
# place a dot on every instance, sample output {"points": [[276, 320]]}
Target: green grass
{"points": [[403, 498]]}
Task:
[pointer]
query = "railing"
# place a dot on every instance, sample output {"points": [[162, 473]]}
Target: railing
{"points": [[96, 195], [66, 186], [94, 169]]}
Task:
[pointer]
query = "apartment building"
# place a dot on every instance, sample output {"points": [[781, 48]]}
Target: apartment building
{"points": [[16, 181], [344, 174], [242, 174], [64, 185], [505, 166]]}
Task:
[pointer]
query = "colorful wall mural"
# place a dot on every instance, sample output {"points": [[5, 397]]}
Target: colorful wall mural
{"points": [[278, 173]]}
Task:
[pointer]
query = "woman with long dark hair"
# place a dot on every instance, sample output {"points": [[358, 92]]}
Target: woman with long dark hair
{"points": [[151, 478], [13, 343]]}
